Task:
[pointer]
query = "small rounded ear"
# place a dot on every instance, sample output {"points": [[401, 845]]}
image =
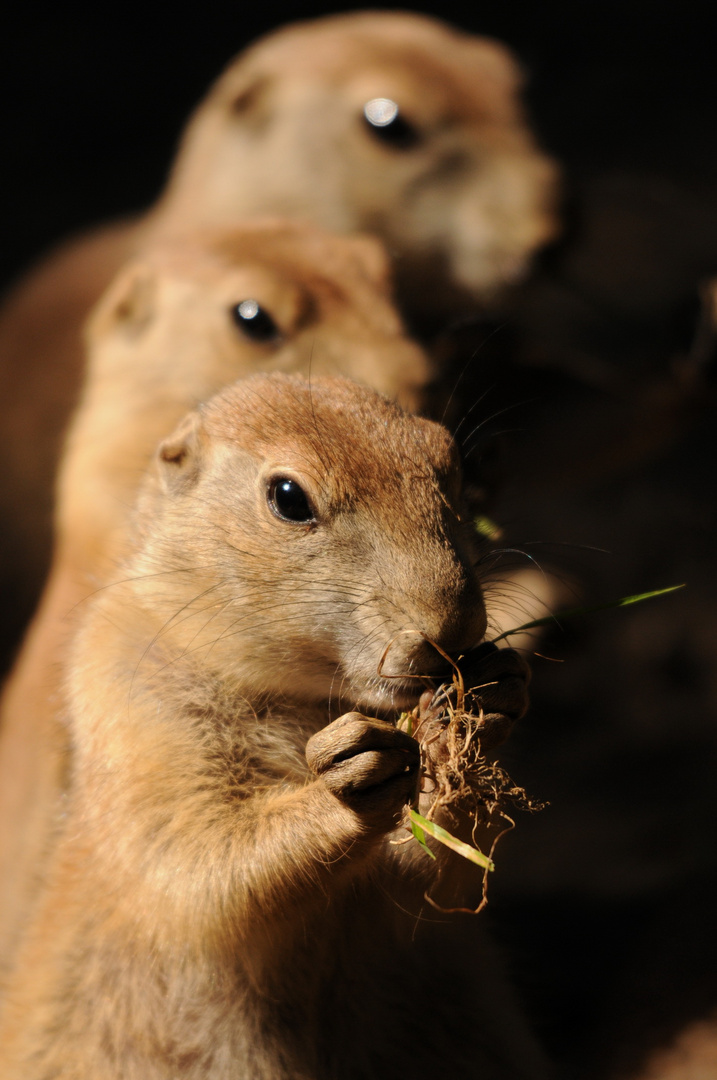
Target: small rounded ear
{"points": [[249, 99], [179, 458], [498, 67], [127, 306]]}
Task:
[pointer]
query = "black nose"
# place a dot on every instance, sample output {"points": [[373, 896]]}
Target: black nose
{"points": [[429, 658]]}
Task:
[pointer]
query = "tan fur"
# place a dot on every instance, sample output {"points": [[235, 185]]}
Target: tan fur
{"points": [[282, 132], [224, 900], [161, 340]]}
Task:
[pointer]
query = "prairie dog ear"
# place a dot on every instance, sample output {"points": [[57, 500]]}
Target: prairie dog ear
{"points": [[497, 63], [127, 306], [249, 98], [179, 458]]}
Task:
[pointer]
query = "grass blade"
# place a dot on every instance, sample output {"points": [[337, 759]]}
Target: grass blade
{"points": [[419, 834], [622, 602], [487, 528], [444, 837]]}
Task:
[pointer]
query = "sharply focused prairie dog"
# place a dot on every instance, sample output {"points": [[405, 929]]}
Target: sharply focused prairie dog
{"points": [[455, 186], [185, 319], [223, 900]]}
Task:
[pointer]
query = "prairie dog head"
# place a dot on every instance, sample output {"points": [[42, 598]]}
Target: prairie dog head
{"points": [[384, 122], [302, 538], [191, 315]]}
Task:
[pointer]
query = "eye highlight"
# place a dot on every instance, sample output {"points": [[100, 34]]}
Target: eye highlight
{"points": [[288, 501], [255, 322], [384, 121]]}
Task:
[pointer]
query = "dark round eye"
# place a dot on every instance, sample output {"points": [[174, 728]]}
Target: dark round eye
{"points": [[385, 122], [255, 322], [289, 501]]}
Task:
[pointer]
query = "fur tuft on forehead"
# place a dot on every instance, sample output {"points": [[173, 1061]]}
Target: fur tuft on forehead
{"points": [[351, 428]]}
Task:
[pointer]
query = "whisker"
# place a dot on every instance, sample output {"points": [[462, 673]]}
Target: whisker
{"points": [[471, 359]]}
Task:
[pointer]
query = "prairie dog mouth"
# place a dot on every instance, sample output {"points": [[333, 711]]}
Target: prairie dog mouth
{"points": [[391, 696]]}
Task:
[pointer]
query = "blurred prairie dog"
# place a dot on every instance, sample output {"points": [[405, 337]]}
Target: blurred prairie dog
{"points": [[190, 316], [178, 323], [454, 186], [394, 123], [222, 900]]}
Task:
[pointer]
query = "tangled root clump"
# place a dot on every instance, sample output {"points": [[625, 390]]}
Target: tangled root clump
{"points": [[462, 776], [456, 775]]}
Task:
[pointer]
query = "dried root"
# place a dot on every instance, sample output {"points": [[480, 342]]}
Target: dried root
{"points": [[457, 777]]}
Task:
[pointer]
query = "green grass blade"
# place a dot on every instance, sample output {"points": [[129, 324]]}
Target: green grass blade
{"points": [[450, 841], [622, 602], [405, 723], [419, 834], [486, 527]]}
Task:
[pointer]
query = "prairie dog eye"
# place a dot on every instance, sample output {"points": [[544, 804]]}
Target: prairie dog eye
{"points": [[289, 501], [255, 322], [384, 121]]}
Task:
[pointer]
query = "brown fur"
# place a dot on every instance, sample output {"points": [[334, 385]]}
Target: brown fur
{"points": [[162, 339], [282, 132], [223, 899]]}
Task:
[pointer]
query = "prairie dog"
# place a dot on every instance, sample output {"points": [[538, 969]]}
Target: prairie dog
{"points": [[172, 330], [192, 315], [394, 123], [455, 187], [223, 899]]}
